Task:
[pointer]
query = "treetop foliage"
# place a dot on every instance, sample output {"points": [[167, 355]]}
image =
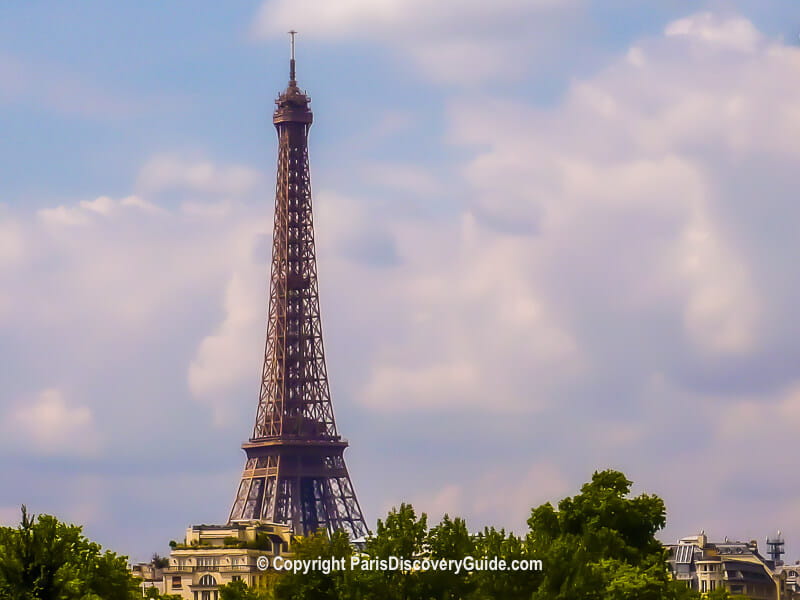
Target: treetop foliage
{"points": [[597, 545], [44, 559]]}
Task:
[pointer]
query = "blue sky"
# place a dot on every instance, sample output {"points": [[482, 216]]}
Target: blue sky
{"points": [[553, 236]]}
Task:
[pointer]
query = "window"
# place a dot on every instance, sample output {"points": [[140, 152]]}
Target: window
{"points": [[207, 581], [176, 582], [236, 578], [703, 587], [207, 561], [711, 585]]}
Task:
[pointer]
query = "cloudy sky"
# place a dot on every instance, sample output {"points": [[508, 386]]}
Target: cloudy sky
{"points": [[554, 236]]}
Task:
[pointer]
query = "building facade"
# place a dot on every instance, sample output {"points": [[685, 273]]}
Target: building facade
{"points": [[791, 576], [214, 555], [152, 576], [737, 567]]}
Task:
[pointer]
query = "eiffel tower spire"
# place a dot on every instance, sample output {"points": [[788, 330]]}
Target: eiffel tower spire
{"points": [[295, 471]]}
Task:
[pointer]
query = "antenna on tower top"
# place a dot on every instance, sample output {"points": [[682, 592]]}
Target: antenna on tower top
{"points": [[291, 62]]}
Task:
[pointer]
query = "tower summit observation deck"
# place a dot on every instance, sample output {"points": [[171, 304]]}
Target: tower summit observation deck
{"points": [[295, 471]]}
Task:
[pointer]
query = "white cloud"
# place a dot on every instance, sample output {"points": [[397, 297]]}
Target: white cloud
{"points": [[106, 206], [636, 57], [451, 42], [207, 210], [53, 426], [141, 204], [395, 17], [777, 416], [731, 32], [113, 264], [622, 184], [408, 178], [231, 354], [62, 215], [505, 492], [170, 172], [458, 317], [86, 284], [100, 207], [448, 500], [721, 313], [412, 388], [12, 242], [502, 497]]}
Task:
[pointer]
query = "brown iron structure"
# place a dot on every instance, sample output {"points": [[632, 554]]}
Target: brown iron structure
{"points": [[295, 471]]}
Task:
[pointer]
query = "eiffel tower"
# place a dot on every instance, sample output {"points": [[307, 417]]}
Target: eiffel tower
{"points": [[295, 471]]}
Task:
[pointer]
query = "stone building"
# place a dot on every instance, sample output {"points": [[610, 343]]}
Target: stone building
{"points": [[735, 566], [151, 574], [213, 555], [791, 575]]}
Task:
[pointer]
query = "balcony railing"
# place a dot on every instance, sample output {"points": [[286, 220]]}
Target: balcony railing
{"points": [[211, 568]]}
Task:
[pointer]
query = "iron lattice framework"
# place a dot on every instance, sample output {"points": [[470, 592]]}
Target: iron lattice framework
{"points": [[295, 471]]}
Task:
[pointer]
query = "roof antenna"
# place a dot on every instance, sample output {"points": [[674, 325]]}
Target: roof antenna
{"points": [[292, 80]]}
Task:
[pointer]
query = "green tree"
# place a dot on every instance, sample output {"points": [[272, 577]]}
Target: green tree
{"points": [[601, 545], [402, 535], [597, 545], [237, 590], [154, 594], [449, 540], [316, 583], [723, 594], [159, 562], [44, 559], [509, 585]]}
